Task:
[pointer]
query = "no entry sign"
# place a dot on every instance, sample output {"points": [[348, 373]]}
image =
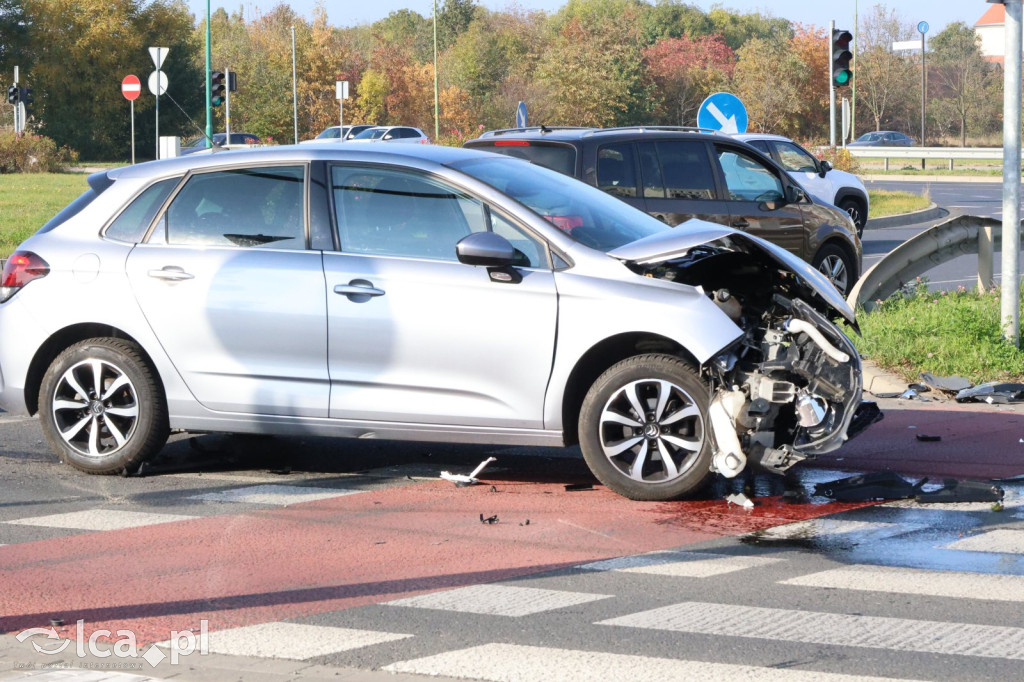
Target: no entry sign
{"points": [[131, 87]]}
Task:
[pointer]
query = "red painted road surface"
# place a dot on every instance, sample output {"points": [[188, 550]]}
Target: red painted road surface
{"points": [[267, 565]]}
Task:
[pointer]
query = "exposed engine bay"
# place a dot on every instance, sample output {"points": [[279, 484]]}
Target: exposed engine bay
{"points": [[790, 387]]}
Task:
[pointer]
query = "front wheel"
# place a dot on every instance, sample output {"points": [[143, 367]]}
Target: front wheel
{"points": [[101, 407], [643, 428], [857, 214], [833, 262]]}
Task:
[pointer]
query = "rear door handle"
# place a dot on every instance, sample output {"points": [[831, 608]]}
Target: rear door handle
{"points": [[740, 224], [171, 273], [358, 288]]}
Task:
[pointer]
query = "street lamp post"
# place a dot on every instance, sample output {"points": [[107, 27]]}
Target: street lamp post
{"points": [[923, 28], [437, 119], [209, 106]]}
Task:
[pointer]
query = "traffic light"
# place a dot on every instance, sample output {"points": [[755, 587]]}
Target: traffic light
{"points": [[12, 94], [232, 82], [841, 56], [25, 95], [216, 88]]}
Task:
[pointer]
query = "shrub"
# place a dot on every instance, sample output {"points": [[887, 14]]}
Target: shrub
{"points": [[840, 158], [32, 153]]}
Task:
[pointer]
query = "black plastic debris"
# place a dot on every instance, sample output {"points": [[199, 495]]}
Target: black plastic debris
{"points": [[963, 491], [928, 439], [489, 520], [867, 414], [993, 393], [56, 622], [952, 384], [880, 485], [571, 487]]}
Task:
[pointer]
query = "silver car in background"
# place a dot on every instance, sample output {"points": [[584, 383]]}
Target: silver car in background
{"points": [[419, 293]]}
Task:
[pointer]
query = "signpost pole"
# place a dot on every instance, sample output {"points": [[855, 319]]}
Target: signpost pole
{"points": [[1010, 298], [132, 103]]}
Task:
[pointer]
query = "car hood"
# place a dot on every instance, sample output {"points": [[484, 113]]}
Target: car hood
{"points": [[677, 242]]}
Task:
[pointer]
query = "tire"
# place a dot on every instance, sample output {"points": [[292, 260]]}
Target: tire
{"points": [[626, 453], [834, 262], [856, 212], [115, 433]]}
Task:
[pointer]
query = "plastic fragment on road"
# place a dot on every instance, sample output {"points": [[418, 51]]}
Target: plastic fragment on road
{"points": [[740, 500], [953, 384], [462, 480], [880, 485], [924, 438], [963, 491], [993, 393], [575, 487], [490, 520]]}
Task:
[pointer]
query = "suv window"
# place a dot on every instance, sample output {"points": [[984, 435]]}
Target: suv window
{"points": [[650, 171], [616, 170], [133, 222], [747, 179], [794, 158], [557, 157], [685, 168], [249, 207]]}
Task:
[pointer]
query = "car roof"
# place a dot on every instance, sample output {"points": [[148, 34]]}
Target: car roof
{"points": [[568, 133], [310, 151], [762, 136]]}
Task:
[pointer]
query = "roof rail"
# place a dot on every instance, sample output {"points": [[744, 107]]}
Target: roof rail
{"points": [[642, 128], [532, 129]]}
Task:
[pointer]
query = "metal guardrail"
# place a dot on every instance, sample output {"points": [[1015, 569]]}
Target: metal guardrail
{"points": [[960, 236], [949, 153]]}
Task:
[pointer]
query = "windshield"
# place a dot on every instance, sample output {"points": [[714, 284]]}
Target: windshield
{"points": [[869, 137], [586, 214], [329, 134], [371, 134]]}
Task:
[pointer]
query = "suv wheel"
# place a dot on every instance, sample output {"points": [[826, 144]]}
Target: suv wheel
{"points": [[101, 408], [833, 262], [642, 428], [856, 212]]}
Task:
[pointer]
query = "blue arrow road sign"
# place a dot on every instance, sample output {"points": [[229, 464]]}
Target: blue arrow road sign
{"points": [[521, 120], [723, 111]]}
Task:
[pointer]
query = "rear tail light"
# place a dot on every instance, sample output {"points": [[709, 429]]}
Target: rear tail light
{"points": [[565, 222], [425, 140], [21, 268]]}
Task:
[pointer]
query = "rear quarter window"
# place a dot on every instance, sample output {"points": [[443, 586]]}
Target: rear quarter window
{"points": [[133, 222], [557, 157]]}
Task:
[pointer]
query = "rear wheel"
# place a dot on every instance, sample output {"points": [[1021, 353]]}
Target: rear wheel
{"points": [[856, 212], [833, 262], [642, 428], [101, 408]]}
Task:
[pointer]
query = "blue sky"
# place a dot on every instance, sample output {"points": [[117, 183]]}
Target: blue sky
{"points": [[937, 13]]}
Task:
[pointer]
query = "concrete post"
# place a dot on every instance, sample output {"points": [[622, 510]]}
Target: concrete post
{"points": [[1010, 309]]}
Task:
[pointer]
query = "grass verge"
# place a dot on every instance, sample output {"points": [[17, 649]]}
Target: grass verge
{"points": [[28, 200], [945, 333], [888, 202]]}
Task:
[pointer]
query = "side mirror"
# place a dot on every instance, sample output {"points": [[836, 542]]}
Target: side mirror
{"points": [[487, 249], [795, 195], [388, 137], [825, 168]]}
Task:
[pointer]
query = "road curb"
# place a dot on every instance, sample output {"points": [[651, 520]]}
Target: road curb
{"points": [[931, 213], [931, 178], [878, 380]]}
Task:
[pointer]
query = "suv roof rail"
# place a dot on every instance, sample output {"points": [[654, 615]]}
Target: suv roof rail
{"points": [[533, 129], [657, 128]]}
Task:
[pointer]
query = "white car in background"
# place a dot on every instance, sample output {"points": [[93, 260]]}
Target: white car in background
{"points": [[818, 177], [406, 134]]}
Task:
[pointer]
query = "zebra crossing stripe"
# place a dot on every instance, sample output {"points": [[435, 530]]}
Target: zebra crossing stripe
{"points": [[1001, 540], [518, 663], [956, 584], [277, 495], [836, 629], [100, 520], [499, 600], [680, 564], [296, 641], [815, 529]]}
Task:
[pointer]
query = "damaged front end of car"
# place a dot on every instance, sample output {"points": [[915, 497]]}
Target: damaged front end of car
{"points": [[789, 387]]}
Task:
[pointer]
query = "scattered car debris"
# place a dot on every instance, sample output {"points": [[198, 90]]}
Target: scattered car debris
{"points": [[993, 393], [285, 471], [740, 500], [572, 487], [525, 523], [928, 439], [494, 489], [868, 414], [953, 384], [461, 480], [56, 622], [963, 491], [490, 520], [880, 485]]}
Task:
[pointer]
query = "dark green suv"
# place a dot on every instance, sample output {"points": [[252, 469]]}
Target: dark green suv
{"points": [[675, 174]]}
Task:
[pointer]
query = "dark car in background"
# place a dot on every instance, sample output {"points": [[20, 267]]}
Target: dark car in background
{"points": [[676, 174], [883, 138]]}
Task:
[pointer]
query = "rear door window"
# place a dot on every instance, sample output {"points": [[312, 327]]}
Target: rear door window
{"points": [[616, 170], [686, 170], [132, 224], [794, 158]]}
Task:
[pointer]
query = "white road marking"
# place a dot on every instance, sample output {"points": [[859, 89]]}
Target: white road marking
{"points": [[517, 663], [680, 564], [499, 600], [1003, 540], [836, 629], [1011, 500], [100, 519], [814, 529], [956, 584], [79, 675], [277, 495], [292, 640]]}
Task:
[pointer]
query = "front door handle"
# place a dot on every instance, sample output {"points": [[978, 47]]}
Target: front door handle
{"points": [[740, 223], [171, 273], [358, 290]]}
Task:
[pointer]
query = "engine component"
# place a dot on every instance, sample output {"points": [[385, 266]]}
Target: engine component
{"points": [[729, 459], [795, 326]]}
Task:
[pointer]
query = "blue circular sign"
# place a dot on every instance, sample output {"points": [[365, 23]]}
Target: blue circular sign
{"points": [[723, 111], [923, 27]]}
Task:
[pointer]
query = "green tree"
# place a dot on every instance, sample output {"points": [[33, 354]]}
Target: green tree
{"points": [[672, 19], [961, 75], [767, 78], [737, 29], [453, 18], [13, 36], [887, 82]]}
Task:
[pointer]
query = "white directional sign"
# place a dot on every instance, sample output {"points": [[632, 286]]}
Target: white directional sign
{"points": [[340, 89], [158, 55], [157, 80], [723, 111]]}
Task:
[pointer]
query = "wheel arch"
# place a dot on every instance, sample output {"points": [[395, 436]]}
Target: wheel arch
{"points": [[65, 338], [598, 359], [844, 193], [846, 249]]}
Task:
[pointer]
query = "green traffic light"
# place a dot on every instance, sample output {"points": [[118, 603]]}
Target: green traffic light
{"points": [[843, 77]]}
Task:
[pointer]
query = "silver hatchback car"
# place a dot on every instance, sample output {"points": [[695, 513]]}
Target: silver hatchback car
{"points": [[419, 293]]}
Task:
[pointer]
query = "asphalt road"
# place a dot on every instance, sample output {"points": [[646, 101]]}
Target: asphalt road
{"points": [[959, 198]]}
